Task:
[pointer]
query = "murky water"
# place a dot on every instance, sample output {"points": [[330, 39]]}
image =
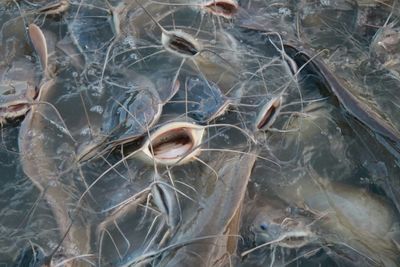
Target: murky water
{"points": [[191, 132]]}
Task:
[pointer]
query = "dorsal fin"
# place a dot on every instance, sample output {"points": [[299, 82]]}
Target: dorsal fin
{"points": [[39, 43]]}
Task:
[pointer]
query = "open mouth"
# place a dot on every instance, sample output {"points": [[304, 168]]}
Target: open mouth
{"points": [[294, 239], [174, 143], [269, 113], [14, 111], [182, 46], [180, 43], [224, 9]]}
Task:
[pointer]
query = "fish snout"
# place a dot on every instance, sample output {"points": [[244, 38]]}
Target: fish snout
{"points": [[265, 232]]}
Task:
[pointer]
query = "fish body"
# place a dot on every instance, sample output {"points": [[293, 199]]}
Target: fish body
{"points": [[333, 214]]}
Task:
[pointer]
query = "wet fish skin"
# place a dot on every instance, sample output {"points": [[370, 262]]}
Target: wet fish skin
{"points": [[43, 172], [166, 200], [346, 215], [219, 216], [354, 106], [268, 224], [17, 85]]}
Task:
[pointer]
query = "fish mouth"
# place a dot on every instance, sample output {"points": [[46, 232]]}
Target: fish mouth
{"points": [[226, 8], [180, 43], [174, 143], [269, 113], [13, 111], [294, 239]]}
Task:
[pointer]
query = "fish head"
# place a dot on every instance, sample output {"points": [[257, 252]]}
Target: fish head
{"points": [[18, 88], [278, 227], [174, 143]]}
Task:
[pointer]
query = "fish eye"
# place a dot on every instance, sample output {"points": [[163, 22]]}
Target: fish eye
{"points": [[263, 226]]}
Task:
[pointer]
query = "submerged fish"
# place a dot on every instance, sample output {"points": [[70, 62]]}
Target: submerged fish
{"points": [[209, 227], [15, 99], [333, 215], [37, 144], [201, 100], [340, 88], [129, 112], [18, 83], [350, 102], [322, 24]]}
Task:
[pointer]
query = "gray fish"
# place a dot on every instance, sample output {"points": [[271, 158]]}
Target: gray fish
{"points": [[129, 113], [39, 161], [132, 113], [351, 103], [212, 53], [202, 100], [268, 225], [166, 200], [339, 87], [217, 217], [15, 100], [331, 213]]}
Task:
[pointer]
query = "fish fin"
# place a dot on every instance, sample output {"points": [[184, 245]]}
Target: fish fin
{"points": [[39, 43]]}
